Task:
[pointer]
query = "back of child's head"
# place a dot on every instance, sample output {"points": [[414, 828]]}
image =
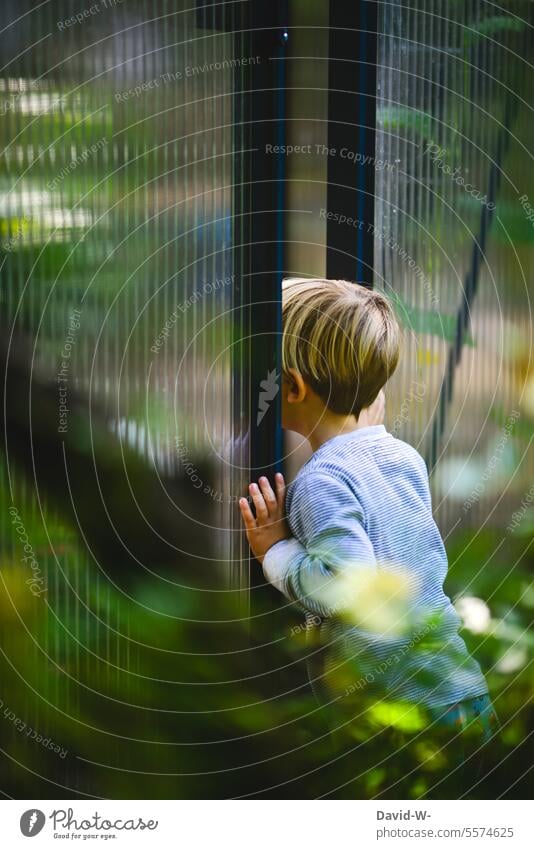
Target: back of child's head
{"points": [[344, 340]]}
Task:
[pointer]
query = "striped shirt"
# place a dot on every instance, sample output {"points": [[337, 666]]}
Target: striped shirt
{"points": [[361, 506]]}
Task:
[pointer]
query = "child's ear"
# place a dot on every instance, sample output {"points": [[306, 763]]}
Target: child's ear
{"points": [[294, 386]]}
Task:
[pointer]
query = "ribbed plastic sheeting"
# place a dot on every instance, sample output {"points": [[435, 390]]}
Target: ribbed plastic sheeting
{"points": [[116, 213], [453, 243], [119, 154]]}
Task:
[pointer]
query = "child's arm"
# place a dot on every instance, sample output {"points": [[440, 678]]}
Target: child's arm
{"points": [[330, 538]]}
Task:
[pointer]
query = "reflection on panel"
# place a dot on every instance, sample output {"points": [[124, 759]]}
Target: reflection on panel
{"points": [[452, 242], [116, 217], [117, 230]]}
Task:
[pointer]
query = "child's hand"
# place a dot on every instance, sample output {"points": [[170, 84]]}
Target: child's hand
{"points": [[270, 525]]}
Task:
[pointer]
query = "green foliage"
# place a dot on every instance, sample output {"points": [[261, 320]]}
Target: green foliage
{"points": [[98, 671], [397, 118], [427, 322], [492, 26]]}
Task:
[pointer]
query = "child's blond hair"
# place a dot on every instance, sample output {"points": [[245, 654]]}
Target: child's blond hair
{"points": [[344, 340]]}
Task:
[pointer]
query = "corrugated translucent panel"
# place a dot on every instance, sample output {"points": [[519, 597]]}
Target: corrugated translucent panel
{"points": [[453, 244], [116, 211], [117, 164]]}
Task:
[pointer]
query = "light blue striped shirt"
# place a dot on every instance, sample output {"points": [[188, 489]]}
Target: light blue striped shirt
{"points": [[363, 502]]}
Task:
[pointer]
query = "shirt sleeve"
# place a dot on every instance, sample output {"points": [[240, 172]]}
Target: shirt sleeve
{"points": [[329, 537]]}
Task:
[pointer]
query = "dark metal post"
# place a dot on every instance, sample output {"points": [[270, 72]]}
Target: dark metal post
{"points": [[351, 139], [259, 249], [266, 220]]}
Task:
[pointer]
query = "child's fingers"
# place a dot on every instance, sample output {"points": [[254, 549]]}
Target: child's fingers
{"points": [[247, 514], [268, 494], [280, 486], [262, 514]]}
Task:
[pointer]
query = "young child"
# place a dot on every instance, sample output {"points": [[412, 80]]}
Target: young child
{"points": [[360, 510]]}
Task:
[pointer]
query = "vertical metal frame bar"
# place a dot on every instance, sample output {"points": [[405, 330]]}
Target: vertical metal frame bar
{"points": [[351, 139], [265, 217], [259, 37], [266, 220], [258, 252]]}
